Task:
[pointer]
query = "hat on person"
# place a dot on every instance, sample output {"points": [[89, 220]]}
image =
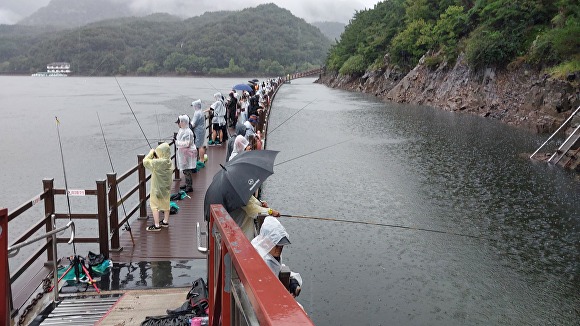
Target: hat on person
{"points": [[177, 121], [253, 118], [284, 241]]}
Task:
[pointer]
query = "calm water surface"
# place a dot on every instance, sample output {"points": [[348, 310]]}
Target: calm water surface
{"points": [[365, 160], [346, 156]]}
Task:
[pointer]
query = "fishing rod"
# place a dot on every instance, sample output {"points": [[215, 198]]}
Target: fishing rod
{"points": [[64, 174], [130, 108], [318, 150], [158, 130], [271, 131], [386, 225], [127, 226]]}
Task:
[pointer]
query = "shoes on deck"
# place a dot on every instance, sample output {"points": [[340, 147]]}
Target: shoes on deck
{"points": [[164, 224], [153, 228]]}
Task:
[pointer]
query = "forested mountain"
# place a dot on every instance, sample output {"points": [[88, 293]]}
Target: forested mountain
{"points": [[492, 33], [265, 39], [332, 30], [74, 13]]}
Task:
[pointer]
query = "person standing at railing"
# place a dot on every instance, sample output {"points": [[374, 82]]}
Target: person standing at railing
{"points": [[219, 119], [269, 244], [186, 151], [159, 162], [199, 131]]}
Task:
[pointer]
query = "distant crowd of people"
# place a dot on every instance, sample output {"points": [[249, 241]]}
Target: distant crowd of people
{"points": [[209, 127]]}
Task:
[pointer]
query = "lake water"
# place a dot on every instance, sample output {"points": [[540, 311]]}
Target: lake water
{"points": [[345, 156], [365, 160]]}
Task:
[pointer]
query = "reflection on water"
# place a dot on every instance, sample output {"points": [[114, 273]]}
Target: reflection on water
{"points": [[156, 274]]}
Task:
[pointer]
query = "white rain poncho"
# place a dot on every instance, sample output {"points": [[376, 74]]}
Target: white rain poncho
{"points": [[219, 110], [186, 150], [271, 233], [198, 123], [249, 129], [240, 145], [161, 176]]}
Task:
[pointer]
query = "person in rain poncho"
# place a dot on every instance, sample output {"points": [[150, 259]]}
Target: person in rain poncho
{"points": [[245, 215], [240, 130], [186, 151], [161, 176], [219, 120], [199, 130], [244, 105], [269, 244], [240, 145]]}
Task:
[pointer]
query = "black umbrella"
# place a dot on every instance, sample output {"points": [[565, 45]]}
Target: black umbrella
{"points": [[238, 179]]}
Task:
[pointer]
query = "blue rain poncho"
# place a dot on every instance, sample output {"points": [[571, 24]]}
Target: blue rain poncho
{"points": [[186, 149], [161, 176], [219, 110]]}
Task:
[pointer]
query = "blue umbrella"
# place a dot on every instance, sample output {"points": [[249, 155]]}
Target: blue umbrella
{"points": [[242, 87]]}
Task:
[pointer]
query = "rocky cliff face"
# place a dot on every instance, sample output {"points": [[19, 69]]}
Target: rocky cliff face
{"points": [[516, 96]]}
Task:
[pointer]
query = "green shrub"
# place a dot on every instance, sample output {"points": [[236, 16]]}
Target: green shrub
{"points": [[355, 65]]}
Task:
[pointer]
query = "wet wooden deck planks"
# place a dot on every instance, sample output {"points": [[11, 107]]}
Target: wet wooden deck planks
{"points": [[178, 241]]}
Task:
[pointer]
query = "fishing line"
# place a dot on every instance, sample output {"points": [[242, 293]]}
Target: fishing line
{"points": [[386, 225], [64, 174], [318, 150], [158, 130], [127, 226], [271, 131], [130, 108]]}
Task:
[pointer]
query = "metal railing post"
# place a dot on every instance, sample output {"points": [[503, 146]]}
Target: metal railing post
{"points": [[48, 187], [5, 295], [102, 217], [177, 176], [142, 187], [113, 211]]}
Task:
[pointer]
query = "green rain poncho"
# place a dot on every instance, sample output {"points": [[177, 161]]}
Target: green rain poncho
{"points": [[161, 175]]}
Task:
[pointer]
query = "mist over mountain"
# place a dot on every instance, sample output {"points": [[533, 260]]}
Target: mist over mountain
{"points": [[74, 13], [332, 30]]}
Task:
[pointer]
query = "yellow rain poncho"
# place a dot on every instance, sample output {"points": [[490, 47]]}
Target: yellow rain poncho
{"points": [[161, 176]]}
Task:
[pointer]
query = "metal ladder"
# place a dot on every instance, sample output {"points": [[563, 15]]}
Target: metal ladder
{"points": [[565, 147], [570, 141], [80, 311]]}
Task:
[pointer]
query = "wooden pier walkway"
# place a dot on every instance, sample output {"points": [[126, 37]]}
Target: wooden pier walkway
{"points": [[178, 241]]}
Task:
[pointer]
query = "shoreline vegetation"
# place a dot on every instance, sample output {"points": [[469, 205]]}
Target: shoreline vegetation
{"points": [[514, 61], [265, 40]]}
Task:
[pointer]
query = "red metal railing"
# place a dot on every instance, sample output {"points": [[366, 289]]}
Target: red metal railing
{"points": [[4, 273], [233, 260]]}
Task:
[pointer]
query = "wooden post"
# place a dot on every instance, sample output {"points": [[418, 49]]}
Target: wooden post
{"points": [[142, 187], [113, 211], [48, 186], [102, 217], [5, 296]]}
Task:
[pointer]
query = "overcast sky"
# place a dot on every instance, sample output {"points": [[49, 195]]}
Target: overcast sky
{"points": [[11, 11]]}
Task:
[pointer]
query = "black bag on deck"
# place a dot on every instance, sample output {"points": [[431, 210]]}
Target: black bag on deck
{"points": [[195, 306], [198, 297]]}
